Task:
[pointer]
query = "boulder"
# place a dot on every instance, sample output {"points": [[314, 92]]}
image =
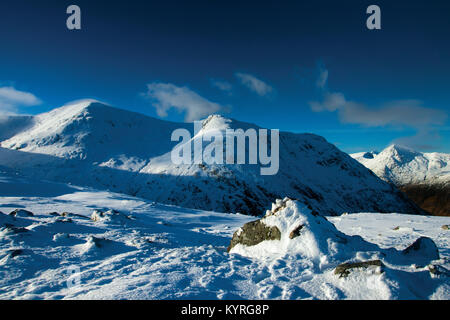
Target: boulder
{"points": [[73, 215], [290, 226], [296, 232], [15, 252], [253, 233], [21, 213], [438, 271], [423, 249], [343, 270]]}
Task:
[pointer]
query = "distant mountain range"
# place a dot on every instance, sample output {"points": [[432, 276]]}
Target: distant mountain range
{"points": [[424, 177], [92, 144]]}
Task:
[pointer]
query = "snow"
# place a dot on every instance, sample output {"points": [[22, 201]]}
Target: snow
{"points": [[127, 247], [402, 166], [94, 145], [93, 208]]}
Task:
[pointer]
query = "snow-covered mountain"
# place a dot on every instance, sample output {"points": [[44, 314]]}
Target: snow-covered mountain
{"points": [[424, 177], [92, 144], [402, 166]]}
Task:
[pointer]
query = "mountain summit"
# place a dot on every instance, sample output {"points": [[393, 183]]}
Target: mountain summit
{"points": [[424, 177], [92, 144], [402, 165]]}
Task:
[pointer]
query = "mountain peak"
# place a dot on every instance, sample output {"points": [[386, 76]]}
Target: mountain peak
{"points": [[400, 148], [400, 153], [79, 106], [216, 122], [219, 122], [83, 103], [403, 165]]}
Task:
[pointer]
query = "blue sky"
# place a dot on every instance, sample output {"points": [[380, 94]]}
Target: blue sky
{"points": [[298, 66]]}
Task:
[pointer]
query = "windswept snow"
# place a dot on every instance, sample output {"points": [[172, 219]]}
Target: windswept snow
{"points": [[87, 244]]}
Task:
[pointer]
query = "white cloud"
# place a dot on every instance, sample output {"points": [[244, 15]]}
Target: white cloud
{"points": [[410, 113], [254, 84], [222, 85], [331, 102], [401, 112], [424, 139], [166, 96], [11, 99], [323, 78]]}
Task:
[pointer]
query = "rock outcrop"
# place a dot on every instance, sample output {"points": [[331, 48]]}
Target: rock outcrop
{"points": [[291, 228]]}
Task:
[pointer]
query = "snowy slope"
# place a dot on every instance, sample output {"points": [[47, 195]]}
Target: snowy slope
{"points": [[145, 250], [403, 166], [95, 145]]}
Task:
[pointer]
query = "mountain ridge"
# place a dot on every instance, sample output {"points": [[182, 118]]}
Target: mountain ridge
{"points": [[423, 177], [402, 165], [95, 145]]}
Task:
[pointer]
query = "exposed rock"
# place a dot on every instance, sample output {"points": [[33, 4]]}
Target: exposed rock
{"points": [[445, 227], [278, 205], [253, 233], [368, 155], [15, 252], [73, 215], [343, 270], [437, 270], [296, 232], [423, 248], [21, 213]]}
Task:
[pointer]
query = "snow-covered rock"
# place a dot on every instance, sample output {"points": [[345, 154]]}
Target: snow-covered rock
{"points": [[300, 233], [423, 248], [91, 144], [110, 216], [21, 213]]}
